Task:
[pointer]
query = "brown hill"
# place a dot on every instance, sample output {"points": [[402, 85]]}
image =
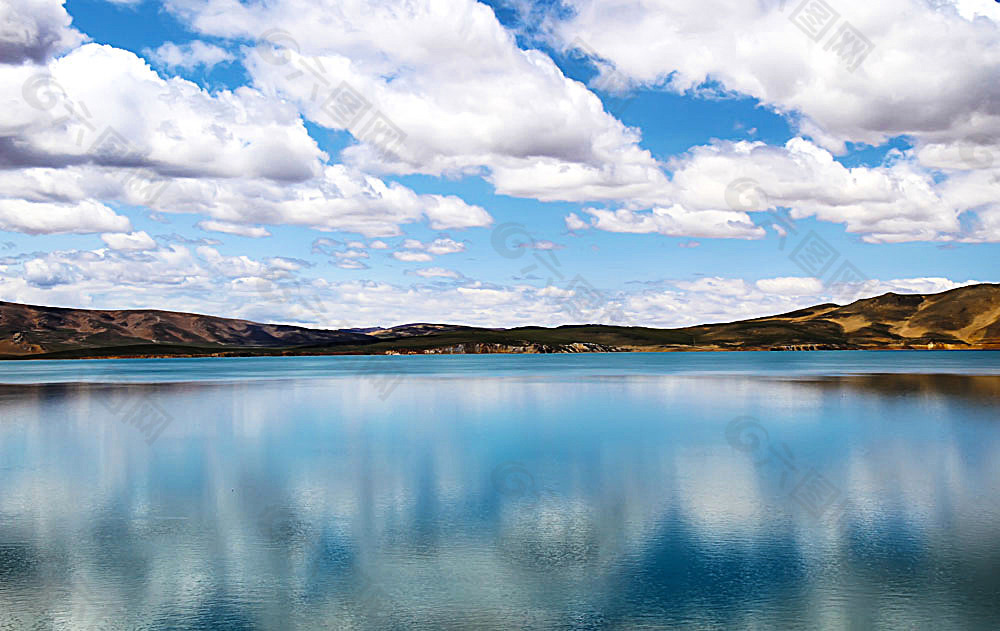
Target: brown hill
{"points": [[962, 317], [28, 329], [967, 317]]}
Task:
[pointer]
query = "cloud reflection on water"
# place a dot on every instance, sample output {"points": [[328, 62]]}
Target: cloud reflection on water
{"points": [[314, 503]]}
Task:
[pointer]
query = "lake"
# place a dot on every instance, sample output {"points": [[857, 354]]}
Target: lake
{"points": [[791, 490]]}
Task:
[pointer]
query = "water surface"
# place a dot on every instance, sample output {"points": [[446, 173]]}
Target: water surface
{"points": [[824, 490]]}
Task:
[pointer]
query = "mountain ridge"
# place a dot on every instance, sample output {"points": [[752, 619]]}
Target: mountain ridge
{"points": [[960, 318]]}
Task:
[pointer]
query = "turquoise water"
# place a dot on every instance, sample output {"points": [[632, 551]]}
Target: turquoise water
{"points": [[449, 366], [839, 490]]}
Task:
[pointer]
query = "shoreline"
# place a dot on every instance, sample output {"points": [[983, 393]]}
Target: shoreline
{"points": [[435, 351]]}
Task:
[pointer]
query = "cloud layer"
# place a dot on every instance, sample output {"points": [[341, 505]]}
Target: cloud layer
{"points": [[930, 70], [238, 157], [131, 275]]}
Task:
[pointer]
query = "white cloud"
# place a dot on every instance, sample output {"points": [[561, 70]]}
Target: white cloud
{"points": [[677, 221], [931, 285], [282, 264], [412, 257], [73, 278], [342, 198], [790, 286], [709, 300], [558, 144], [231, 266], [445, 246], [34, 30], [450, 212], [254, 232], [205, 281], [244, 158], [351, 254], [351, 264], [133, 117], [715, 186], [461, 90], [189, 55], [437, 272], [45, 274], [130, 242], [442, 245], [81, 217], [551, 291], [323, 245], [573, 222], [237, 157], [931, 75]]}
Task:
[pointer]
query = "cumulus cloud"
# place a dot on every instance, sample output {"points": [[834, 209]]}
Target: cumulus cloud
{"points": [[79, 217], [244, 157], [552, 140], [462, 96], [932, 73], [899, 201], [444, 246], [189, 55], [437, 272], [350, 264], [412, 257], [130, 242], [342, 198], [122, 114], [790, 286], [35, 30], [71, 277], [415, 251], [351, 254], [676, 221], [347, 258], [45, 274], [715, 188], [254, 232], [238, 157], [230, 266], [324, 245], [467, 101], [574, 223]]}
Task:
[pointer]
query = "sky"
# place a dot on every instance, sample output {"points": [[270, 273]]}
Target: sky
{"points": [[358, 163]]}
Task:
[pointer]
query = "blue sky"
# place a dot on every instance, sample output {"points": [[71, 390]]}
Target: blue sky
{"points": [[636, 163]]}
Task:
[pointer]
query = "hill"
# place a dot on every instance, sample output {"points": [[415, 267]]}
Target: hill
{"points": [[963, 318]]}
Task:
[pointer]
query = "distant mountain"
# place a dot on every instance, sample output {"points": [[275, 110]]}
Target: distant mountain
{"points": [[967, 317], [27, 329], [959, 318]]}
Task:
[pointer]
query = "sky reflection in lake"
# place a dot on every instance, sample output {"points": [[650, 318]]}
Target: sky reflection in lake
{"points": [[580, 501]]}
